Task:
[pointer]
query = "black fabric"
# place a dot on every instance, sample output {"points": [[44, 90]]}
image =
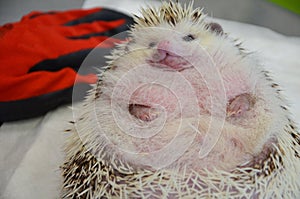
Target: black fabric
{"points": [[105, 15], [73, 60], [106, 33], [37, 106]]}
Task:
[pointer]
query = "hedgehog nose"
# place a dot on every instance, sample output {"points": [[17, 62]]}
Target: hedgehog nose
{"points": [[159, 55], [163, 47], [166, 47], [162, 51]]}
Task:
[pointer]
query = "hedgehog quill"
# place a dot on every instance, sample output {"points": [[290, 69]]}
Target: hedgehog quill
{"points": [[182, 111]]}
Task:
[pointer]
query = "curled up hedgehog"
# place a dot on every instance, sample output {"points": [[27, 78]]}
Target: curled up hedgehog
{"points": [[182, 111]]}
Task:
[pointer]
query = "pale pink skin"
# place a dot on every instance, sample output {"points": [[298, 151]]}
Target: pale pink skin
{"points": [[167, 58], [166, 104], [163, 58]]}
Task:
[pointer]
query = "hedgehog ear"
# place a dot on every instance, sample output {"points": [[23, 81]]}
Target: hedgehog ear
{"points": [[215, 27]]}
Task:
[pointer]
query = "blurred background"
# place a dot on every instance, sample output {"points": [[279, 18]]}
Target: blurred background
{"points": [[282, 16], [279, 15]]}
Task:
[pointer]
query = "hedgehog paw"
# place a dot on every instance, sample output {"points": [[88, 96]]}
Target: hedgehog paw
{"points": [[144, 113], [239, 105]]}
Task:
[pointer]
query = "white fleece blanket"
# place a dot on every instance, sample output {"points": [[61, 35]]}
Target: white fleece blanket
{"points": [[31, 150]]}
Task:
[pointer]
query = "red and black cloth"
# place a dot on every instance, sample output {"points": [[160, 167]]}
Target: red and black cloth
{"points": [[40, 57]]}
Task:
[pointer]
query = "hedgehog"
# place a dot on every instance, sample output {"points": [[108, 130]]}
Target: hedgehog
{"points": [[182, 110]]}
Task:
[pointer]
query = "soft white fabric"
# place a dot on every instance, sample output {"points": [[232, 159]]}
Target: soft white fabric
{"points": [[31, 150]]}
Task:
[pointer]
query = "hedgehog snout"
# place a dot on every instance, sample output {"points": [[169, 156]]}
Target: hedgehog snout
{"points": [[163, 48], [166, 56], [159, 55]]}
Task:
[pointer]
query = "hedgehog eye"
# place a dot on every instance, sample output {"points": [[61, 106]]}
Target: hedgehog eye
{"points": [[188, 37], [152, 44]]}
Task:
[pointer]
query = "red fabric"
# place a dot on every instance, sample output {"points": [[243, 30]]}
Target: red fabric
{"points": [[40, 36]]}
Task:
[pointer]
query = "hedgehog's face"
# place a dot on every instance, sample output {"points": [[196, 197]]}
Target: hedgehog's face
{"points": [[175, 46], [195, 49], [190, 82]]}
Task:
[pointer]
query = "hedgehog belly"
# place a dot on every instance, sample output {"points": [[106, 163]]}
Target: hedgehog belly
{"points": [[115, 153], [182, 112], [98, 166]]}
